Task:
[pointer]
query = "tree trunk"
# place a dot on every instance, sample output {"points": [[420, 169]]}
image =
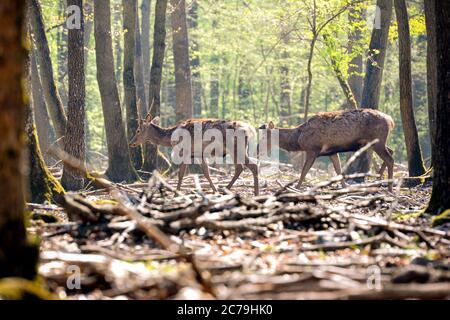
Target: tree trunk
{"points": [[61, 54], [74, 141], [153, 158], [43, 186], [413, 150], [129, 86], [145, 41], [44, 129], [195, 61], [310, 77], [51, 94], [431, 69], [139, 70], [117, 44], [181, 60], [119, 161], [88, 25], [374, 74], [17, 257], [355, 68], [440, 197]]}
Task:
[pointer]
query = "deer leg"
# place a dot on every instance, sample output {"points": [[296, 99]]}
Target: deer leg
{"points": [[386, 155], [310, 158], [383, 167], [237, 172], [337, 167], [181, 172], [254, 169], [205, 169]]}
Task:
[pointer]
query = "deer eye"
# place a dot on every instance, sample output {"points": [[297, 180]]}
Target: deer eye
{"points": [[138, 131]]}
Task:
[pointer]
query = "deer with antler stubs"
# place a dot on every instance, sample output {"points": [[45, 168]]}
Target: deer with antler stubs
{"points": [[329, 133], [232, 137]]}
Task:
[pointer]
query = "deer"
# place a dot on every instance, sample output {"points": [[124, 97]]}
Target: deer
{"points": [[150, 131], [329, 133]]}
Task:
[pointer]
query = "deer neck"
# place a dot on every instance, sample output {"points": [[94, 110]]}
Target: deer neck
{"points": [[161, 136], [288, 138]]}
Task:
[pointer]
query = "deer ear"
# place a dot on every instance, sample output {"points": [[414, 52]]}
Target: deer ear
{"points": [[271, 125], [156, 120], [148, 118]]}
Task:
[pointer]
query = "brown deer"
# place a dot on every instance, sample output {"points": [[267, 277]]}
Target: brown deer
{"points": [[328, 133], [149, 130]]}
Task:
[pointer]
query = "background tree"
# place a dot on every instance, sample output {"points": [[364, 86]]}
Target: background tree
{"points": [[43, 126], [74, 140], [129, 85], [119, 163], [430, 18], [440, 197], [181, 60], [43, 186], [17, 257], [374, 72], [145, 41], [192, 21], [51, 94], [139, 69], [413, 150], [152, 156]]}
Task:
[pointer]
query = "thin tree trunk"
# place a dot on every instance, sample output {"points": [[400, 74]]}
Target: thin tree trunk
{"points": [[17, 257], [129, 85], [413, 150], [440, 197], [152, 158], [44, 129], [119, 161], [374, 74], [61, 54], [310, 77], [431, 69], [118, 45], [145, 40], [181, 60], [51, 94], [139, 70], [355, 68], [88, 25], [195, 60], [74, 141]]}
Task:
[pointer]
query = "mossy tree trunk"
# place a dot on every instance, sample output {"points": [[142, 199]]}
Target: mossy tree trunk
{"points": [[43, 186], [17, 257]]}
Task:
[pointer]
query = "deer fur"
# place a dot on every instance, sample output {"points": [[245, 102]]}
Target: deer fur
{"points": [[149, 130], [329, 133]]}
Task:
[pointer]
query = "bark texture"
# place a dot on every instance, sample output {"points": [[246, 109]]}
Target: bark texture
{"points": [[17, 257], [153, 159], [440, 197], [181, 60], [413, 150], [129, 85], [74, 141], [119, 162], [51, 94]]}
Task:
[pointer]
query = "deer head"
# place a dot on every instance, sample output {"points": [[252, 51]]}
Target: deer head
{"points": [[145, 130], [265, 129]]}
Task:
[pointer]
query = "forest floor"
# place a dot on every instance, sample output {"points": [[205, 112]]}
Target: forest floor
{"points": [[146, 241]]}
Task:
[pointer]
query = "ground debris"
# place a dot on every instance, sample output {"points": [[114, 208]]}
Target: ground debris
{"points": [[148, 241]]}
